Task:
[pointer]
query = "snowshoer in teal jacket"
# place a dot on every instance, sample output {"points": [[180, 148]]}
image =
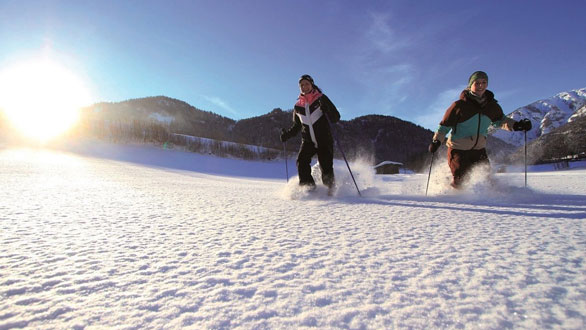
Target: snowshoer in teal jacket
{"points": [[468, 120]]}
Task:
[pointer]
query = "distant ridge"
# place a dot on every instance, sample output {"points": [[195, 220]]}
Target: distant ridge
{"points": [[374, 137], [547, 115]]}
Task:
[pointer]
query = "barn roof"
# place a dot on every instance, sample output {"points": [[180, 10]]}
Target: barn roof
{"points": [[388, 162]]}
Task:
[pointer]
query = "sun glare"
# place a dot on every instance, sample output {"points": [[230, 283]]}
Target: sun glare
{"points": [[41, 98]]}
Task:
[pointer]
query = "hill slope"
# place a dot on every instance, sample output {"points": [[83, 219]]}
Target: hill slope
{"points": [[177, 115]]}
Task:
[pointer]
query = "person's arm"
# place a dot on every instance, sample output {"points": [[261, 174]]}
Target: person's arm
{"points": [[286, 134], [448, 122], [503, 122], [329, 109], [510, 124]]}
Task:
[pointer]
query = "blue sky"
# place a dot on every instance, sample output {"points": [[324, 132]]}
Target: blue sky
{"points": [[240, 59]]}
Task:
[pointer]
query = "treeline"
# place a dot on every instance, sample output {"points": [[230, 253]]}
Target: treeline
{"points": [[124, 132], [153, 132], [374, 138], [223, 148]]}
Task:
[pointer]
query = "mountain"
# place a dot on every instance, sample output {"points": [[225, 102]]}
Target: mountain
{"points": [[177, 116], [384, 138], [547, 115], [265, 130], [565, 142], [375, 137]]}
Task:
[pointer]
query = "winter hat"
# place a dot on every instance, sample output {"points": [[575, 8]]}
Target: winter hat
{"points": [[306, 77], [477, 75]]}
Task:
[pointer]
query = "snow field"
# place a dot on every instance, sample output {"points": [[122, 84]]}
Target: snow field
{"points": [[92, 242]]}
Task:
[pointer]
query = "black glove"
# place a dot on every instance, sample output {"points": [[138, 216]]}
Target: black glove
{"points": [[522, 125], [284, 135], [434, 145]]}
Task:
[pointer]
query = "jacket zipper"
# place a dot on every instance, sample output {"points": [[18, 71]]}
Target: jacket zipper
{"points": [[477, 133]]}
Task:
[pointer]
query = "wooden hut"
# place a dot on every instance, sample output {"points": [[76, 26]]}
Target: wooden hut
{"points": [[388, 167]]}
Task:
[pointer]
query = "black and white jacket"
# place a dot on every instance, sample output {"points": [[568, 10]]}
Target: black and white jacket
{"points": [[309, 117]]}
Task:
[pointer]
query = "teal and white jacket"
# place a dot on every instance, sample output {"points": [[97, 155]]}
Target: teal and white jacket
{"points": [[468, 120]]}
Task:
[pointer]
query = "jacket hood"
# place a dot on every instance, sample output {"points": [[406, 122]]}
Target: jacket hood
{"points": [[465, 95], [308, 98]]}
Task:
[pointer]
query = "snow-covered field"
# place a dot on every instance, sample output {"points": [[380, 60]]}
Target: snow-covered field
{"points": [[138, 238]]}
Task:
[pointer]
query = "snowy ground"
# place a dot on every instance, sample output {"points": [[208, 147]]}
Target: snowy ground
{"points": [[143, 238]]}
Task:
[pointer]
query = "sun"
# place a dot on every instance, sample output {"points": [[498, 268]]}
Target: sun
{"points": [[41, 98]]}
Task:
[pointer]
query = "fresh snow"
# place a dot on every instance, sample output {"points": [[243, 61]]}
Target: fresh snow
{"points": [[579, 113], [208, 143], [387, 162], [105, 236], [161, 118]]}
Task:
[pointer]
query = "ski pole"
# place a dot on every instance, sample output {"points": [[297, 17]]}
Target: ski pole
{"points": [[429, 175], [525, 159], [286, 165], [343, 155]]}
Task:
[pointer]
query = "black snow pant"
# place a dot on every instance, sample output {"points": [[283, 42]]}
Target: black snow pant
{"points": [[462, 161], [325, 156]]}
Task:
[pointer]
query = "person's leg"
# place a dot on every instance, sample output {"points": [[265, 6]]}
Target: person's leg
{"points": [[483, 158], [306, 151], [462, 161], [325, 156], [458, 165], [479, 158]]}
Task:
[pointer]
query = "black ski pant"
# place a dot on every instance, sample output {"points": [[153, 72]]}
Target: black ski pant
{"points": [[325, 156], [462, 161]]}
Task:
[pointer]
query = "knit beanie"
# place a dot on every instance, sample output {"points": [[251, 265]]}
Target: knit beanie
{"points": [[306, 77], [477, 75]]}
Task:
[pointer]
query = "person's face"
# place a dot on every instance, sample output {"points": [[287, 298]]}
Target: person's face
{"points": [[478, 87], [305, 86]]}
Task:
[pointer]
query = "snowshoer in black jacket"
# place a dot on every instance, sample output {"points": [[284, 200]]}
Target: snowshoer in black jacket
{"points": [[309, 117]]}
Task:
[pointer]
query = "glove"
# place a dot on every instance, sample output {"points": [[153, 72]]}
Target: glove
{"points": [[283, 136], [522, 125], [435, 144]]}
